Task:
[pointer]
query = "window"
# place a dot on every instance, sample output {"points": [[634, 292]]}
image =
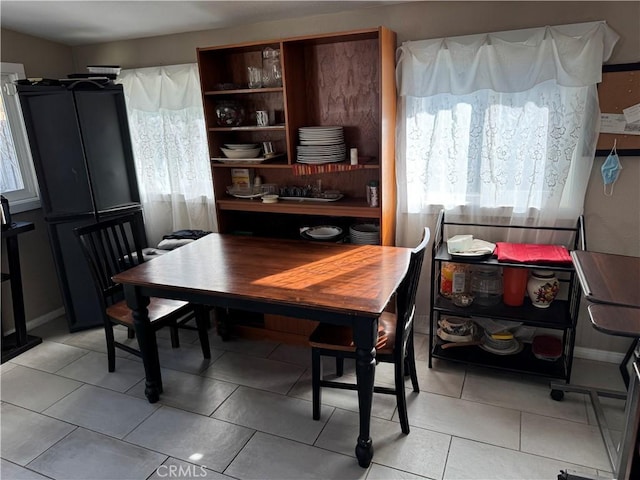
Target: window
{"points": [[501, 124], [17, 182], [169, 141], [495, 150]]}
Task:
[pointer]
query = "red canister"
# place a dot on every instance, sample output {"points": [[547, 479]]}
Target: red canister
{"points": [[514, 285]]}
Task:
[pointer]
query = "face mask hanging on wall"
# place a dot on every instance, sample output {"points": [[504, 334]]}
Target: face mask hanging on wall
{"points": [[611, 170]]}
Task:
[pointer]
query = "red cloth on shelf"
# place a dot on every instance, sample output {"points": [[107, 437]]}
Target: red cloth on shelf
{"points": [[305, 169], [531, 253]]}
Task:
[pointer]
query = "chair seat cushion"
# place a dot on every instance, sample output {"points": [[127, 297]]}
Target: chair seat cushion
{"points": [[159, 309], [337, 337]]}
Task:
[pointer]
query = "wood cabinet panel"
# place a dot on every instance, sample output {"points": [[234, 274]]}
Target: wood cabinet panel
{"points": [[342, 88]]}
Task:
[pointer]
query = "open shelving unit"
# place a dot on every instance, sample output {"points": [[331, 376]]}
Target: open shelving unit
{"points": [[345, 79], [561, 315]]}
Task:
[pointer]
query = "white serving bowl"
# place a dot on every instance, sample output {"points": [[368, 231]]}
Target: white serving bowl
{"points": [[324, 232], [242, 153], [241, 146]]}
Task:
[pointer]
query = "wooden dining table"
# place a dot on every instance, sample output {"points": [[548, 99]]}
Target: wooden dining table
{"points": [[335, 283]]}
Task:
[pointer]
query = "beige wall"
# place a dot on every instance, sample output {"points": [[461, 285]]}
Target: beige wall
{"points": [[40, 58], [613, 223], [411, 21], [42, 295], [41, 291]]}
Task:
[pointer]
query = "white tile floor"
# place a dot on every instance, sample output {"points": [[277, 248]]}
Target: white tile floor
{"points": [[246, 414]]}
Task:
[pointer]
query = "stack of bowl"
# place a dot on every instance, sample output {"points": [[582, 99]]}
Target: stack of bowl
{"points": [[503, 343], [241, 150], [458, 330]]}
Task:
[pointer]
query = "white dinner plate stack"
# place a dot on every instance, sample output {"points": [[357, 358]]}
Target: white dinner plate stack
{"points": [[320, 145], [365, 234]]}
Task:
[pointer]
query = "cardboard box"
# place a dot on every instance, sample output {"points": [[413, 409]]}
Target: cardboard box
{"points": [[242, 177]]}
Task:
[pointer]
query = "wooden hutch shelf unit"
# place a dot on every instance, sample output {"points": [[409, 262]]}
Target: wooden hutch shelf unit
{"points": [[345, 79], [339, 79], [561, 316]]}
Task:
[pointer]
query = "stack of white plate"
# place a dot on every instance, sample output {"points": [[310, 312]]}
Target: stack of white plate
{"points": [[365, 234], [500, 347], [320, 145]]}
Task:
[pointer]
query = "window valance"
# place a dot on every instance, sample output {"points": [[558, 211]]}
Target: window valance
{"points": [[512, 61], [170, 87]]}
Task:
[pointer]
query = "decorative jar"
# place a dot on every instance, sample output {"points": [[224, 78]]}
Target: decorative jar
{"points": [[229, 113], [542, 288]]}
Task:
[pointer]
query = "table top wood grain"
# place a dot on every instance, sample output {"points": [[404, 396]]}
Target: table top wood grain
{"points": [[615, 320], [608, 278], [358, 279]]}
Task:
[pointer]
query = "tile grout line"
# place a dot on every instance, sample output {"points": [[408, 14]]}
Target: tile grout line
{"points": [[287, 395]]}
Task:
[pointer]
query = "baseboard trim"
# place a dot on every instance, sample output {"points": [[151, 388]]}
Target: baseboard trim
{"points": [[598, 355], [41, 320]]}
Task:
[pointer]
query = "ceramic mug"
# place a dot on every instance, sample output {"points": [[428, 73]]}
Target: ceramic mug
{"points": [[262, 117], [267, 148]]}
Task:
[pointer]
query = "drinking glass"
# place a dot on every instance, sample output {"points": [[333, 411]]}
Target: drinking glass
{"points": [[255, 77], [271, 70]]}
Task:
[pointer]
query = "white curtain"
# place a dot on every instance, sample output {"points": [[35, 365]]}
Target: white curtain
{"points": [[169, 140], [499, 127]]}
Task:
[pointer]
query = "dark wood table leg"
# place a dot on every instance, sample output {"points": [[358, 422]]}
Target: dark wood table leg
{"points": [[146, 342], [365, 333]]}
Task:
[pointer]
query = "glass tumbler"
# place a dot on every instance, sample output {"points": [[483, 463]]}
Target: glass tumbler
{"points": [[255, 77], [271, 70]]}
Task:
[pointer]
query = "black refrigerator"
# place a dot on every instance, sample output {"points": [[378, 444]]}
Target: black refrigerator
{"points": [[81, 148]]}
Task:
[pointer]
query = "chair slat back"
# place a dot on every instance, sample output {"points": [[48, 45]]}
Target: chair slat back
{"points": [[406, 295], [111, 246]]}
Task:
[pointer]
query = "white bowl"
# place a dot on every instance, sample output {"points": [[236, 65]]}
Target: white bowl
{"points": [[456, 326], [324, 232], [241, 146], [243, 153]]}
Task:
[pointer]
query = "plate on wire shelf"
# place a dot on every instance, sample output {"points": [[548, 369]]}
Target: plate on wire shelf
{"points": [[479, 249], [499, 346]]}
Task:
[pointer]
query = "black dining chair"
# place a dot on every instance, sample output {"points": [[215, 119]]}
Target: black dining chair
{"points": [[112, 246], [394, 345]]}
